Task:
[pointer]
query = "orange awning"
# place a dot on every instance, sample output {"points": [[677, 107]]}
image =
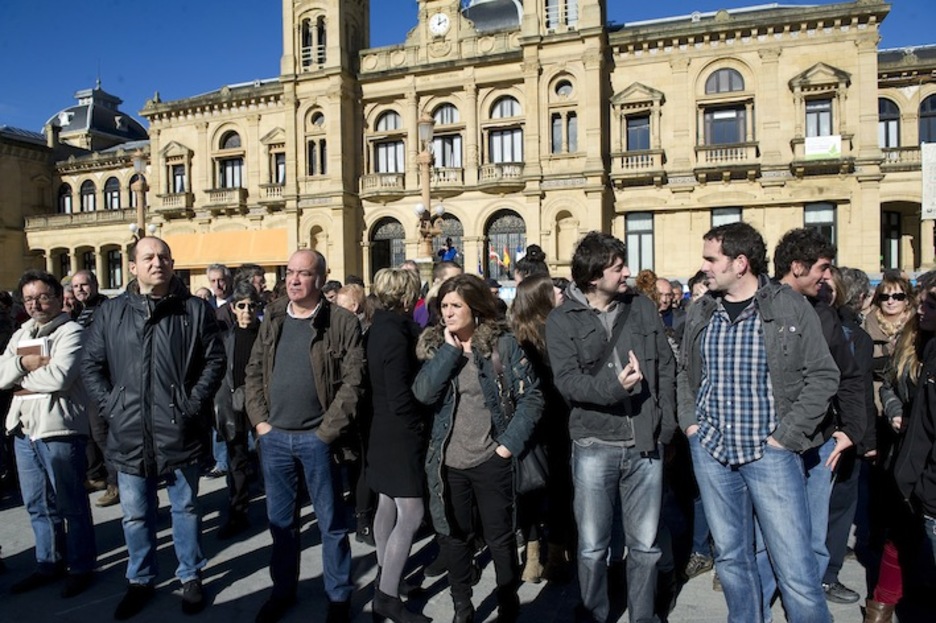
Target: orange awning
{"points": [[233, 248]]}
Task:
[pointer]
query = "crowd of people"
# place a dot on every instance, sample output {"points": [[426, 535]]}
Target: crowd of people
{"points": [[562, 433]]}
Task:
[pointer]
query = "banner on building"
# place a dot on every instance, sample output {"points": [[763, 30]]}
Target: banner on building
{"points": [[928, 156], [823, 147]]}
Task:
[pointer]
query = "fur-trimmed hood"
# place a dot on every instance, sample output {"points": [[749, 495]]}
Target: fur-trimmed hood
{"points": [[484, 339]]}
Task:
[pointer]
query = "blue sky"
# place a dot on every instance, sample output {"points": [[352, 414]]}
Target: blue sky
{"points": [[51, 48]]}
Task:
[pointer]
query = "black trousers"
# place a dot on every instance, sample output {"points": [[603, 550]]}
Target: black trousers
{"points": [[237, 474], [487, 489], [842, 506]]}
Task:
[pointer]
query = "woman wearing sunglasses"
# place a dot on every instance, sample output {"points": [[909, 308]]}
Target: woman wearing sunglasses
{"points": [[231, 416], [891, 308]]}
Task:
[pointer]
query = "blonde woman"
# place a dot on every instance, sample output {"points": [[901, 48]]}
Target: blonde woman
{"points": [[398, 438]]}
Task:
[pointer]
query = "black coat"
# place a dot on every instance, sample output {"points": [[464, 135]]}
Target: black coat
{"points": [[152, 367], [398, 431]]}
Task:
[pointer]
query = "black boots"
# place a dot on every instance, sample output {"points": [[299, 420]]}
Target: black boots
{"points": [[392, 608]]}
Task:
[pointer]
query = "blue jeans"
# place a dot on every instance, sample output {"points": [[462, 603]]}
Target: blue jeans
{"points": [[601, 475], [51, 477], [772, 488], [219, 452], [819, 481], [283, 457], [139, 503]]}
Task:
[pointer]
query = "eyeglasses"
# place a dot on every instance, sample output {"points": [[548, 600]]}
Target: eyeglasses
{"points": [[897, 296], [42, 298], [245, 306]]}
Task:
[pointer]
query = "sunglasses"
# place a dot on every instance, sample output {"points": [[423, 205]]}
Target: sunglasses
{"points": [[245, 306], [897, 296]]}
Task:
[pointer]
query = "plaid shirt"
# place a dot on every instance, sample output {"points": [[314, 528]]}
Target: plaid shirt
{"points": [[735, 403]]}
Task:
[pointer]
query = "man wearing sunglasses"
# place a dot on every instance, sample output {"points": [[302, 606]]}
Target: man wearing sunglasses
{"points": [[802, 260]]}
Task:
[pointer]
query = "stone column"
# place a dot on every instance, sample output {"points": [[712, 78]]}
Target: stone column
{"points": [[927, 253], [99, 264]]}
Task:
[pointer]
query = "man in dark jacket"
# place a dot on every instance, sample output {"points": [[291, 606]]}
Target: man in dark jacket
{"points": [[303, 383], [101, 471], [755, 380], [802, 260], [152, 363], [613, 365]]}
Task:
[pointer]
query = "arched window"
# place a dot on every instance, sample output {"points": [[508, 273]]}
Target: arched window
{"points": [[65, 199], [112, 194], [88, 196], [564, 88], [312, 43], [446, 145], [724, 81], [445, 114], [230, 140], [134, 199], [506, 106], [320, 43], [389, 121], [928, 120], [888, 124]]}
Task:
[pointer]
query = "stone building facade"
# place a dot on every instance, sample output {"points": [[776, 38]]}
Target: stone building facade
{"points": [[548, 123]]}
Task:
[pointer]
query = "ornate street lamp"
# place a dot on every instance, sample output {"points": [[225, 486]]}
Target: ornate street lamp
{"points": [[139, 188], [430, 221]]}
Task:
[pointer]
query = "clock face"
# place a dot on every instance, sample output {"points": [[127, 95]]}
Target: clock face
{"points": [[439, 24]]}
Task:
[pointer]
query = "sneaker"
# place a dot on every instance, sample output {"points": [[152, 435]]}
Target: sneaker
{"points": [[193, 598], [133, 601], [716, 583], [697, 565], [216, 473], [109, 497], [76, 583], [273, 609], [36, 580], [838, 593]]}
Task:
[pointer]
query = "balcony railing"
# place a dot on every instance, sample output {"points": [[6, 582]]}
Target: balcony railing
{"points": [[80, 219], [383, 184], [177, 200], [731, 161], [227, 198], [901, 158], [638, 167], [446, 181], [501, 176]]}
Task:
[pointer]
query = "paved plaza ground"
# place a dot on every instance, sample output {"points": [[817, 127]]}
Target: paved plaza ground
{"points": [[237, 581]]}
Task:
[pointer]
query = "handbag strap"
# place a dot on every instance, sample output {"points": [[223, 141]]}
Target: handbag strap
{"points": [[615, 334]]}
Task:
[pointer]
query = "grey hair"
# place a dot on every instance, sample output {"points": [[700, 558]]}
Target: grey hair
{"points": [[857, 285]]}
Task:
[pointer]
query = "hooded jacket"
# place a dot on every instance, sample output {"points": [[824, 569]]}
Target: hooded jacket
{"points": [[152, 366], [58, 406], [576, 338], [436, 385]]}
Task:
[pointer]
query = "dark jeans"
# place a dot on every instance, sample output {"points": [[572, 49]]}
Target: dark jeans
{"points": [[284, 456], [237, 474], [487, 488], [842, 508], [99, 466]]}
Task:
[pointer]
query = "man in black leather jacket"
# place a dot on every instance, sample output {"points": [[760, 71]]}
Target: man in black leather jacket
{"points": [[153, 362]]}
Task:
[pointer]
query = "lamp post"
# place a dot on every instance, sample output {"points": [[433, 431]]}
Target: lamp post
{"points": [[139, 189], [429, 227]]}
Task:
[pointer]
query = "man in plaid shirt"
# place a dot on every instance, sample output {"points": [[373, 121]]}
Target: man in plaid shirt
{"points": [[755, 380]]}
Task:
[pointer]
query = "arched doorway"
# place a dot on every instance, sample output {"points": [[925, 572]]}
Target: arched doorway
{"points": [[387, 245], [451, 228], [504, 235]]}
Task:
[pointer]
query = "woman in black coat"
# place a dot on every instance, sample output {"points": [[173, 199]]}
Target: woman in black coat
{"points": [[231, 423], [397, 445]]}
